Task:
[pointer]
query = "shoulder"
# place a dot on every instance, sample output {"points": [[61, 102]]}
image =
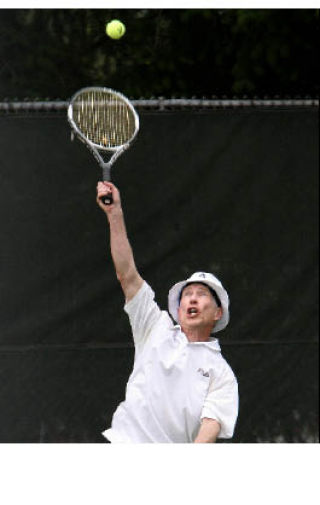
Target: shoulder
{"points": [[223, 370], [143, 294], [145, 298], [145, 315]]}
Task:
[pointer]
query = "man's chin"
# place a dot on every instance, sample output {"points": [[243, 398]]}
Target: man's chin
{"points": [[192, 324]]}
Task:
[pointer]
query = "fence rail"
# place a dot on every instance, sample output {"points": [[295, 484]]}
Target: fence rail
{"points": [[163, 104]]}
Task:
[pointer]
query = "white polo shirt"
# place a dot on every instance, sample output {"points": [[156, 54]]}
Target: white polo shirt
{"points": [[174, 382]]}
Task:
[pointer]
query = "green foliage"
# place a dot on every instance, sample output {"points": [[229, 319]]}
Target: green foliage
{"points": [[170, 52]]}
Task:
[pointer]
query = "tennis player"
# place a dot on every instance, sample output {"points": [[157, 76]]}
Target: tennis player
{"points": [[181, 389]]}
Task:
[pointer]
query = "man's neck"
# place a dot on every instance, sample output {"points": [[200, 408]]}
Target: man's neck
{"points": [[197, 334]]}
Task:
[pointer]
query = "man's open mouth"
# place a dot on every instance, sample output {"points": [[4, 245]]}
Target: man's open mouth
{"points": [[192, 311]]}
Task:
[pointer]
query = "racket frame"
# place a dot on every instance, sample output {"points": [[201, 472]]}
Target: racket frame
{"points": [[94, 148]]}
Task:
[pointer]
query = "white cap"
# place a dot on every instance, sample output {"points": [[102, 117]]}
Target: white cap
{"points": [[213, 283]]}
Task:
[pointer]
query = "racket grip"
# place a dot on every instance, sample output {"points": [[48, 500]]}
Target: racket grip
{"points": [[107, 199]]}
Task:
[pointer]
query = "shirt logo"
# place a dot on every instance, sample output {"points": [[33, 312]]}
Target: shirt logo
{"points": [[205, 374]]}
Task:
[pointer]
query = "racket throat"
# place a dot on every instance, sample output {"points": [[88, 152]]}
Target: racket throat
{"points": [[106, 171], [105, 162]]}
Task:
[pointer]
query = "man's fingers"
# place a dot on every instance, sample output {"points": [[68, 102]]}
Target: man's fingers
{"points": [[104, 188], [107, 188]]}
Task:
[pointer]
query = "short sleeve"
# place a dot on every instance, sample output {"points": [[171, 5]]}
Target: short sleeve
{"points": [[143, 314], [222, 402]]}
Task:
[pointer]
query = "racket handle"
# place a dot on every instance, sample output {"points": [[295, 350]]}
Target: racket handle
{"points": [[107, 199]]}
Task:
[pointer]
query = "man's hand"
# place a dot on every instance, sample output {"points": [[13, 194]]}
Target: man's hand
{"points": [[105, 188], [209, 431]]}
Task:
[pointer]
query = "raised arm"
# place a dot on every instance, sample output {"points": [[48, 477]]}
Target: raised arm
{"points": [[121, 250]]}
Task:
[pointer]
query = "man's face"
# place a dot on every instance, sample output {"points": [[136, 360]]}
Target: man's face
{"points": [[198, 309]]}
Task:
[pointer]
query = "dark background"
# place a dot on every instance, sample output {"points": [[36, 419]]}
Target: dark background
{"points": [[165, 52], [228, 190]]}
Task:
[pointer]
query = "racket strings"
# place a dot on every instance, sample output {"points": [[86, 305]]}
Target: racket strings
{"points": [[104, 118]]}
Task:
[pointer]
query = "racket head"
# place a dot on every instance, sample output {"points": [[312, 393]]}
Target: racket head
{"points": [[103, 118]]}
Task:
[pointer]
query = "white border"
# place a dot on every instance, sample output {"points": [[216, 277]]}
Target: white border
{"points": [[229, 474]]}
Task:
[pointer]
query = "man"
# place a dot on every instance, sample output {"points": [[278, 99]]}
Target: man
{"points": [[181, 389]]}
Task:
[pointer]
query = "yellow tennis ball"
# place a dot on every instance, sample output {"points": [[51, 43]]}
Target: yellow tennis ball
{"points": [[115, 29]]}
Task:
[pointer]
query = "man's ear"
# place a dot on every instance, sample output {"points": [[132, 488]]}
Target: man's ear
{"points": [[218, 314]]}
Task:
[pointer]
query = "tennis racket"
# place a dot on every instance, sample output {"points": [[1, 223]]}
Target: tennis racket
{"points": [[106, 121]]}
